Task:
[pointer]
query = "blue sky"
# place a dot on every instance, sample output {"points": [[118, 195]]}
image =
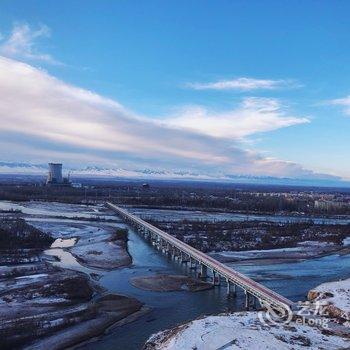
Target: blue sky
{"points": [[259, 87]]}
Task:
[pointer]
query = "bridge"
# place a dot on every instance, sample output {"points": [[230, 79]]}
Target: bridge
{"points": [[178, 249]]}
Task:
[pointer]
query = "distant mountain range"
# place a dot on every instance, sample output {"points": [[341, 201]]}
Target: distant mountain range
{"points": [[20, 168]]}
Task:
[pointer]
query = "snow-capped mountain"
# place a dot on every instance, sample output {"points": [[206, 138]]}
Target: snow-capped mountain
{"points": [[20, 168]]}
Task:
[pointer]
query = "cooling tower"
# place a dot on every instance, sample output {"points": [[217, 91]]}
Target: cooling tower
{"points": [[55, 173]]}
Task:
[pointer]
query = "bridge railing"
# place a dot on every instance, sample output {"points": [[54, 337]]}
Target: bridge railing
{"points": [[254, 288]]}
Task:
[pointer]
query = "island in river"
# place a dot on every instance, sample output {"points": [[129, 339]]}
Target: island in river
{"points": [[168, 283]]}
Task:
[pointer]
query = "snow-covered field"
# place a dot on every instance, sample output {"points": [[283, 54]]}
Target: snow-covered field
{"points": [[336, 294], [59, 229], [80, 245], [84, 246], [303, 250], [346, 241], [58, 209], [103, 254], [171, 215], [64, 243], [243, 331], [39, 299]]}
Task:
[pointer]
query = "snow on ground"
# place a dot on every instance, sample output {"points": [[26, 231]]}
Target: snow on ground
{"points": [[58, 209], [171, 215], [103, 254], [308, 244], [48, 301], [67, 260], [303, 250], [22, 281], [63, 243], [59, 229], [243, 331], [85, 246], [335, 293], [346, 241], [37, 276], [247, 254]]}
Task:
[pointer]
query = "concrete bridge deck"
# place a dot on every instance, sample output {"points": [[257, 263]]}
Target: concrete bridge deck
{"points": [[231, 276]]}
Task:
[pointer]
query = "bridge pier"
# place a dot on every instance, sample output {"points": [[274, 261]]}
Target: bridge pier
{"points": [[193, 264], [164, 248], [204, 271], [216, 278], [169, 244], [250, 301], [146, 235], [167, 249], [247, 300], [185, 258], [156, 242], [231, 288]]}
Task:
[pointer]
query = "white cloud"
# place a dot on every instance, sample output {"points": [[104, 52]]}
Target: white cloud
{"points": [[243, 84], [43, 118], [22, 43], [254, 115], [344, 102]]}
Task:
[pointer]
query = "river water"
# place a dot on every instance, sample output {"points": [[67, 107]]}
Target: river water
{"points": [[292, 280], [168, 309]]}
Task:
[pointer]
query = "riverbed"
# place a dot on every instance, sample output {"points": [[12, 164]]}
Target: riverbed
{"points": [[293, 280], [168, 309]]}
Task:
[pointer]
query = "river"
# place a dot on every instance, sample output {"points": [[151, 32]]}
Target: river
{"points": [[168, 309]]}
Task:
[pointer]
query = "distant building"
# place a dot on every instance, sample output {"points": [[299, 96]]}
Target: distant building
{"points": [[330, 205], [55, 177], [55, 174], [145, 186]]}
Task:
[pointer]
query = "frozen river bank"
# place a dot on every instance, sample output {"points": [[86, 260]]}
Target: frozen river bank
{"points": [[167, 309]]}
